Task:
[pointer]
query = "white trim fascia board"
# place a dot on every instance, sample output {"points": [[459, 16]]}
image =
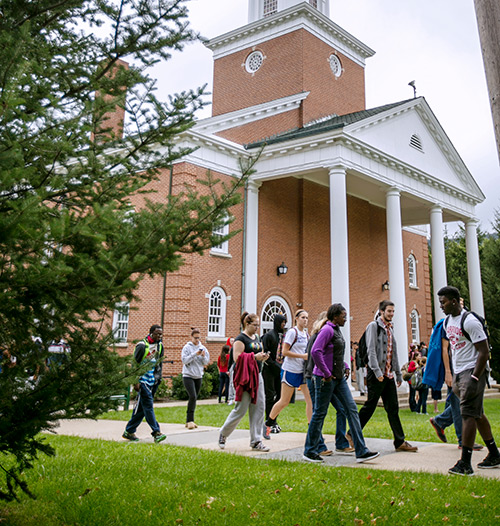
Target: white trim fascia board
{"points": [[367, 151], [435, 129], [419, 231], [301, 16], [250, 114]]}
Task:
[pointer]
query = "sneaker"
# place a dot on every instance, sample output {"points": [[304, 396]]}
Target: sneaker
{"points": [[130, 436], [461, 468], [231, 402], [259, 446], [326, 453], [346, 450], [158, 436], [475, 447], [407, 447], [490, 462], [265, 432], [349, 439], [439, 430], [222, 441], [275, 429], [369, 455], [312, 457]]}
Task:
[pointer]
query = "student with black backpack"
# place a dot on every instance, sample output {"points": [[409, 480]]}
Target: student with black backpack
{"points": [[469, 353]]}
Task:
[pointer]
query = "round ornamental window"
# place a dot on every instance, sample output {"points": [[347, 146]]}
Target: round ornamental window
{"points": [[335, 65], [254, 61]]}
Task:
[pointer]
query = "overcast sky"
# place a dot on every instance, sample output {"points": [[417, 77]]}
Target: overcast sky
{"points": [[434, 42]]}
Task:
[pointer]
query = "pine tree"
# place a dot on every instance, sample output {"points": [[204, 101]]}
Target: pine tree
{"points": [[70, 246]]}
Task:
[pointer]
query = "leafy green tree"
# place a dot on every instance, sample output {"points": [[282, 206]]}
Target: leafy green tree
{"points": [[70, 248]]}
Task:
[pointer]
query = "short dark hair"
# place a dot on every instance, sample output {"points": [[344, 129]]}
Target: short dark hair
{"points": [[334, 310], [154, 327], [384, 304], [452, 293]]}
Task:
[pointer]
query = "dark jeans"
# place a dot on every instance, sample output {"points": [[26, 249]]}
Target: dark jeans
{"points": [[422, 400], [223, 385], [324, 392], [412, 400], [193, 386], [143, 409], [387, 390], [272, 385], [451, 415]]}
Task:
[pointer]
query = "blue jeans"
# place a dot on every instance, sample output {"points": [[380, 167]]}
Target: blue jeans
{"points": [[451, 415], [143, 409], [323, 395], [341, 420]]}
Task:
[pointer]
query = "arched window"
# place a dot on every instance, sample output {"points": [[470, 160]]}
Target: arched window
{"points": [[412, 271], [415, 326], [274, 305], [217, 313], [120, 322]]}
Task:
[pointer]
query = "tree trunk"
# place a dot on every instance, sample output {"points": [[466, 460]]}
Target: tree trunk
{"points": [[488, 21]]}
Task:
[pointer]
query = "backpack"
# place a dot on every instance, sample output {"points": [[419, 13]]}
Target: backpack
{"points": [[363, 349], [462, 322], [416, 379]]}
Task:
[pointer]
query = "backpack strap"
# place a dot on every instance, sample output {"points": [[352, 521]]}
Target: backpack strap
{"points": [[296, 336]]}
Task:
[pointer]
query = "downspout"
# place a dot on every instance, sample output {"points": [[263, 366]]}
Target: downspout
{"points": [[243, 259], [164, 293]]}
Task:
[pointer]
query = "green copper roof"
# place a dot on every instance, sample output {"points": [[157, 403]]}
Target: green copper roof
{"points": [[326, 125]]}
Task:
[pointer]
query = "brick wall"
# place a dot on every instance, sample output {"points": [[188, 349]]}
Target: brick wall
{"points": [[294, 63]]}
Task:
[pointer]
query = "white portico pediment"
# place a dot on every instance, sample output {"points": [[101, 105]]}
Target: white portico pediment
{"points": [[411, 133]]}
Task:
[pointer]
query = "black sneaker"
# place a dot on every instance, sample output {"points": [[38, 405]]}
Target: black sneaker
{"points": [[461, 468], [259, 446], [130, 436], [312, 457], [222, 441], [369, 455], [490, 462], [275, 429], [158, 436], [439, 430]]}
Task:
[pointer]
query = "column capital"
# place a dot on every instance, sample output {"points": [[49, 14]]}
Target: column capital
{"points": [[393, 191], [472, 222], [437, 209], [336, 169], [254, 185]]}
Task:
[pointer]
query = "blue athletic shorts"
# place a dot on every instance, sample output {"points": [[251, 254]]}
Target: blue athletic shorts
{"points": [[292, 379]]}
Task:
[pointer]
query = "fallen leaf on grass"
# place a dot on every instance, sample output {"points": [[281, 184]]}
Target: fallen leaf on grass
{"points": [[385, 483], [356, 509], [368, 477], [254, 515], [478, 496], [359, 521], [276, 491], [445, 519], [178, 521], [416, 516], [223, 509], [447, 505]]}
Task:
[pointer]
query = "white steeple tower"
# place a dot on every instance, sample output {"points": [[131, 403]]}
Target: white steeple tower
{"points": [[258, 9]]}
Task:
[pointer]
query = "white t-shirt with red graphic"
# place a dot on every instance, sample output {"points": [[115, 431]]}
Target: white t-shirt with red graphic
{"points": [[463, 352]]}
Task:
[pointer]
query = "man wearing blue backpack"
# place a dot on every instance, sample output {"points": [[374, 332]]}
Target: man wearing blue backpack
{"points": [[469, 353]]}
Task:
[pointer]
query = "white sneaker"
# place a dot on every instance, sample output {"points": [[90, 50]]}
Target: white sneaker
{"points": [[259, 446]]}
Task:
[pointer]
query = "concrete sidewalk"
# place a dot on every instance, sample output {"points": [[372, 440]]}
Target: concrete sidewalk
{"points": [[431, 457]]}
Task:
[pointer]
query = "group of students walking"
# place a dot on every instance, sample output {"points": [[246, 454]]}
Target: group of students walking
{"points": [[266, 373]]}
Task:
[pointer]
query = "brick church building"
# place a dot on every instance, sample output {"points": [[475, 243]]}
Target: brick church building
{"points": [[341, 203]]}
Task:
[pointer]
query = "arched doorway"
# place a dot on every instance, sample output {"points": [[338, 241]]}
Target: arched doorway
{"points": [[274, 305]]}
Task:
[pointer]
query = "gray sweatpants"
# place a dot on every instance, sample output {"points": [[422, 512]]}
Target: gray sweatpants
{"points": [[255, 414]]}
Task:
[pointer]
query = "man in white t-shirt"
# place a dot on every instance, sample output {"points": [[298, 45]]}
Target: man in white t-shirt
{"points": [[469, 355]]}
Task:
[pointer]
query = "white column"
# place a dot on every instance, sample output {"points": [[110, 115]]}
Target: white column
{"points": [[339, 253], [251, 247], [397, 271], [438, 258], [474, 267]]}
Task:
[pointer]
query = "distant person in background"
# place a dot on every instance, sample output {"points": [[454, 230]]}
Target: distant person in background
{"points": [[222, 364], [194, 357], [360, 371], [230, 342], [271, 370]]}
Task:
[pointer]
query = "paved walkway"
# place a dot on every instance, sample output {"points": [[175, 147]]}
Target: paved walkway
{"points": [[431, 457]]}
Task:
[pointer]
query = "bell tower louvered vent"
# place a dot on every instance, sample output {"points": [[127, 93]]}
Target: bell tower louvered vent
{"points": [[416, 142]]}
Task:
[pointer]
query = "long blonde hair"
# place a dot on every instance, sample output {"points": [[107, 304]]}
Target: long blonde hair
{"points": [[320, 321]]}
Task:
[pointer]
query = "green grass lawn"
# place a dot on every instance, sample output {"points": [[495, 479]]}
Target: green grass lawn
{"points": [[93, 482], [293, 418]]}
